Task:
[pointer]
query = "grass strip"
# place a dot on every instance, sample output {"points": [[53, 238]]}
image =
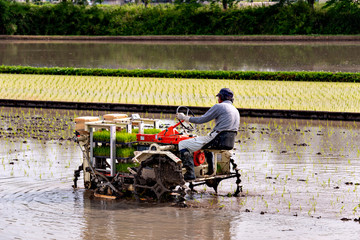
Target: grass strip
{"points": [[193, 74]]}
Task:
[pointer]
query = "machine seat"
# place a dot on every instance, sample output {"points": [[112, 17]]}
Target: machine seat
{"points": [[225, 140]]}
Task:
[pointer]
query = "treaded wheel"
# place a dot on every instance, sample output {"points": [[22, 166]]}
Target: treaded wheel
{"points": [[157, 177]]}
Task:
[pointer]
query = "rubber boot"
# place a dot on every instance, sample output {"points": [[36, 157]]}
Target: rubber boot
{"points": [[188, 162], [210, 161]]}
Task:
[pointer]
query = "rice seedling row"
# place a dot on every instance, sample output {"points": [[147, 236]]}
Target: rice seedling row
{"points": [[316, 96]]}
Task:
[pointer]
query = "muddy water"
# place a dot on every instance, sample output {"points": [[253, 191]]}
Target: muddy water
{"points": [[260, 56], [300, 181]]}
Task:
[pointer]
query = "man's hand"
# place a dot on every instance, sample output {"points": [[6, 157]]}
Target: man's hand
{"points": [[182, 116]]}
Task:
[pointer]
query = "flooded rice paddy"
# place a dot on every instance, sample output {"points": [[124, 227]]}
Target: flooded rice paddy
{"points": [[240, 56], [300, 179]]}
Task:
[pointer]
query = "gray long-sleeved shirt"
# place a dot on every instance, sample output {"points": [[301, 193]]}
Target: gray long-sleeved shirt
{"points": [[226, 117]]}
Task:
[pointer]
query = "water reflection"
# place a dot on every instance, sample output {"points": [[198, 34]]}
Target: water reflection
{"points": [[107, 219], [36, 198], [309, 56]]}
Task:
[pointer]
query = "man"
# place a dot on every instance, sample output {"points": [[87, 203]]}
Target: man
{"points": [[226, 117]]}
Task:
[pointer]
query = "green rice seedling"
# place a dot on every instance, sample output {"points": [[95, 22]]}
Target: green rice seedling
{"points": [[121, 152], [101, 151], [123, 167], [122, 137], [125, 152], [101, 136], [148, 130]]}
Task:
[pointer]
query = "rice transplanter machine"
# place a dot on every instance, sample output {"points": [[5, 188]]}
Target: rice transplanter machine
{"points": [[131, 156]]}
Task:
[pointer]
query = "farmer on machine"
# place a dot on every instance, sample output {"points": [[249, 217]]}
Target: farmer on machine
{"points": [[227, 118]]}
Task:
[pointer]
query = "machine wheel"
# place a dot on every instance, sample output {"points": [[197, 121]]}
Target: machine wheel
{"points": [[156, 177]]}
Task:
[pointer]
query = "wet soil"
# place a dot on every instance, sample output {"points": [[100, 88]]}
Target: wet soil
{"points": [[300, 180]]}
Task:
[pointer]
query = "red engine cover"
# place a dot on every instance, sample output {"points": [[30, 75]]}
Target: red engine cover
{"points": [[199, 158], [167, 136]]}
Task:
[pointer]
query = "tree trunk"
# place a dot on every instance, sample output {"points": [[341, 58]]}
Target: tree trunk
{"points": [[225, 4], [311, 3]]}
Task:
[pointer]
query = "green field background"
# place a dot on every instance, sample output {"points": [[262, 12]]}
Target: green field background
{"points": [[287, 18]]}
